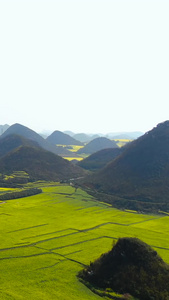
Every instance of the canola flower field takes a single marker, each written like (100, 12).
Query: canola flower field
(48, 238)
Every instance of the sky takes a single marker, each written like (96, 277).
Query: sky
(94, 66)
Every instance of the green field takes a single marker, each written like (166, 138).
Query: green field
(72, 158)
(121, 142)
(48, 238)
(73, 149)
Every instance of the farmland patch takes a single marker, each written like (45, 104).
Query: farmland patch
(46, 239)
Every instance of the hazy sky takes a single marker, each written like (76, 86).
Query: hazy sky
(85, 65)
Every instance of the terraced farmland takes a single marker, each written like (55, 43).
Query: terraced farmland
(48, 238)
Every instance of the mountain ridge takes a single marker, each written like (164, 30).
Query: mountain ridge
(97, 144)
(100, 159)
(140, 173)
(28, 133)
(39, 164)
(60, 138)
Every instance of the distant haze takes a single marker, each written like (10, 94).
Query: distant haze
(93, 66)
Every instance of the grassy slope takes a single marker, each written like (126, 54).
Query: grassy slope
(39, 164)
(46, 239)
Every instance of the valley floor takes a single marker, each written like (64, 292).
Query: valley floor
(48, 238)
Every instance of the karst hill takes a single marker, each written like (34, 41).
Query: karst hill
(139, 177)
(13, 141)
(30, 134)
(39, 164)
(97, 144)
(60, 138)
(100, 159)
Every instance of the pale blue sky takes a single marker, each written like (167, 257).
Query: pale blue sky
(85, 65)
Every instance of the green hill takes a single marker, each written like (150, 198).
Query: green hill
(138, 178)
(39, 164)
(99, 159)
(60, 138)
(26, 132)
(132, 267)
(13, 141)
(96, 145)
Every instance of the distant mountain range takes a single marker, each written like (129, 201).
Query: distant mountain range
(3, 128)
(139, 177)
(86, 138)
(125, 135)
